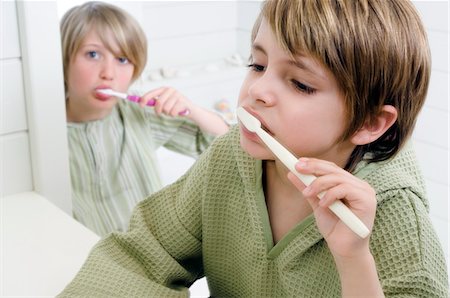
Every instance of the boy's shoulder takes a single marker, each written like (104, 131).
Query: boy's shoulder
(227, 144)
(400, 172)
(227, 148)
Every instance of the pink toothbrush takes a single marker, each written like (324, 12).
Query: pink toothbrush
(135, 98)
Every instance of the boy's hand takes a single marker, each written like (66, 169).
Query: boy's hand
(168, 101)
(171, 102)
(337, 184)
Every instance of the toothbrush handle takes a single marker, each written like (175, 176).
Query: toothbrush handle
(134, 98)
(151, 102)
(184, 112)
(349, 218)
(137, 98)
(340, 209)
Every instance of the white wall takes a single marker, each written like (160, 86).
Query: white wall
(14, 140)
(431, 136)
(247, 13)
(33, 142)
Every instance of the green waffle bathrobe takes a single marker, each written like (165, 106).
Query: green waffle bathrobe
(213, 222)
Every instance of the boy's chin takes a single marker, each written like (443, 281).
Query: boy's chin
(255, 150)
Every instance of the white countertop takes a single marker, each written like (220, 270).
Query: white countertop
(42, 248)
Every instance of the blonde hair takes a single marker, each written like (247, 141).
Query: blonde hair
(103, 18)
(376, 49)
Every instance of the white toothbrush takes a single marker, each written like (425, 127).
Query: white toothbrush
(289, 160)
(135, 98)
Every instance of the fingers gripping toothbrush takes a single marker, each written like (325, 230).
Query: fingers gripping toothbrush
(289, 160)
(135, 98)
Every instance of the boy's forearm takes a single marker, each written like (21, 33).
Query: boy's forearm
(208, 121)
(359, 277)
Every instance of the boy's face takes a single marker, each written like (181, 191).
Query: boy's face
(297, 101)
(94, 67)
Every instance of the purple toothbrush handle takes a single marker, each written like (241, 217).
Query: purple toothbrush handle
(151, 102)
(184, 112)
(137, 98)
(134, 98)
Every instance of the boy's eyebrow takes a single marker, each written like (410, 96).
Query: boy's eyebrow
(258, 48)
(91, 45)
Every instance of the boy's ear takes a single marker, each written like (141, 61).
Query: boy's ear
(373, 129)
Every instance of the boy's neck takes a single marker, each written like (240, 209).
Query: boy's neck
(276, 174)
(76, 114)
(285, 204)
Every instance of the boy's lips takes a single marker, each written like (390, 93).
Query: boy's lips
(249, 135)
(252, 136)
(102, 96)
(263, 123)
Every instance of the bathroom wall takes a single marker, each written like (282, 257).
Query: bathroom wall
(14, 140)
(33, 146)
(431, 137)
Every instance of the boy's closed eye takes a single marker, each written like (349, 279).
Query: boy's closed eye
(299, 86)
(256, 67)
(302, 87)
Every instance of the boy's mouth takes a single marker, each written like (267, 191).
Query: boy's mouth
(266, 129)
(263, 125)
(102, 96)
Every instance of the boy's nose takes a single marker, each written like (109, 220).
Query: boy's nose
(263, 90)
(107, 70)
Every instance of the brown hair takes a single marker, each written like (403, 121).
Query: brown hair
(104, 18)
(376, 49)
